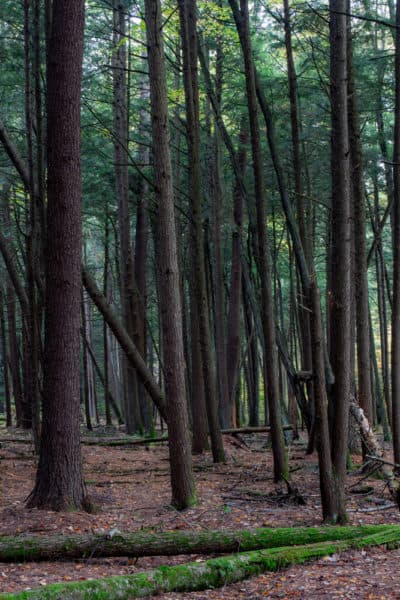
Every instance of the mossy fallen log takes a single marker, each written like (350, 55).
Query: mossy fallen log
(212, 573)
(69, 547)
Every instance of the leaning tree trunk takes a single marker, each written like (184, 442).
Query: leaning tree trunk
(59, 480)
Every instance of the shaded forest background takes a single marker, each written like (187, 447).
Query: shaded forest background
(273, 130)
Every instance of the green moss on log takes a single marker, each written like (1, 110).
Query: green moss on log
(198, 576)
(67, 547)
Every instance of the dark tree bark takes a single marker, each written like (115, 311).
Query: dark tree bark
(264, 260)
(303, 225)
(340, 335)
(188, 19)
(360, 255)
(182, 480)
(382, 310)
(235, 289)
(14, 355)
(4, 357)
(197, 397)
(326, 475)
(129, 301)
(396, 254)
(141, 252)
(85, 365)
(106, 379)
(59, 480)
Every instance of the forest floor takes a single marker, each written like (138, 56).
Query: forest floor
(131, 488)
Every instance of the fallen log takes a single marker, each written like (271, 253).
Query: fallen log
(68, 547)
(125, 441)
(240, 430)
(212, 573)
(139, 441)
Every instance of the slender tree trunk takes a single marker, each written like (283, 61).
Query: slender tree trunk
(182, 480)
(235, 289)
(4, 355)
(106, 383)
(141, 252)
(396, 253)
(30, 344)
(188, 17)
(128, 300)
(264, 266)
(59, 480)
(14, 355)
(303, 225)
(85, 365)
(340, 299)
(197, 397)
(360, 256)
(326, 474)
(382, 312)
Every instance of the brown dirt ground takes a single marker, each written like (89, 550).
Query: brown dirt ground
(131, 489)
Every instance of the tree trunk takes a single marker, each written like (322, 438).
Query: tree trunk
(213, 573)
(121, 140)
(396, 254)
(327, 482)
(340, 297)
(188, 20)
(106, 378)
(59, 479)
(235, 289)
(85, 365)
(137, 544)
(14, 354)
(303, 226)
(264, 260)
(182, 480)
(360, 256)
(4, 357)
(141, 251)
